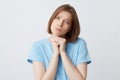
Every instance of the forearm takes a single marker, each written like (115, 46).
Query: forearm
(70, 69)
(51, 71)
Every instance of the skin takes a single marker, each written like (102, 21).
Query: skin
(59, 27)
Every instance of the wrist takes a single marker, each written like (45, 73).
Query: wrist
(56, 54)
(63, 53)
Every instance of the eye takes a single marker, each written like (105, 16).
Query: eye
(57, 17)
(67, 22)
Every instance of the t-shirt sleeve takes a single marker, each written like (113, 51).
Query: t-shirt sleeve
(83, 55)
(35, 54)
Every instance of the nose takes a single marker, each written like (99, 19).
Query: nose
(61, 23)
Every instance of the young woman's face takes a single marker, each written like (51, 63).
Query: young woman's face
(61, 24)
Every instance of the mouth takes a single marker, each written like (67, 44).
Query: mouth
(58, 29)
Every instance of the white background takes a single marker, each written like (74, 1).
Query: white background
(23, 22)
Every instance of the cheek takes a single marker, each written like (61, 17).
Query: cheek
(68, 28)
(53, 24)
(52, 27)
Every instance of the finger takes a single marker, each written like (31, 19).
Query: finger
(58, 39)
(55, 42)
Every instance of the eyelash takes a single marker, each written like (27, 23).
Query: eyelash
(64, 21)
(67, 22)
(57, 17)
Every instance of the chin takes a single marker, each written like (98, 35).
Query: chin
(59, 35)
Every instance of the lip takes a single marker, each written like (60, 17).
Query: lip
(58, 29)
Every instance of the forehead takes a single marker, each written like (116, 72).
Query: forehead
(65, 14)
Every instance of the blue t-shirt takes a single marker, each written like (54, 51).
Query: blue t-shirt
(77, 52)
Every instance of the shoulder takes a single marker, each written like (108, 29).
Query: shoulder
(41, 42)
(80, 41)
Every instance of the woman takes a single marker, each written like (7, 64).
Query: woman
(62, 56)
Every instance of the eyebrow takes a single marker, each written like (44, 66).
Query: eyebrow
(66, 18)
